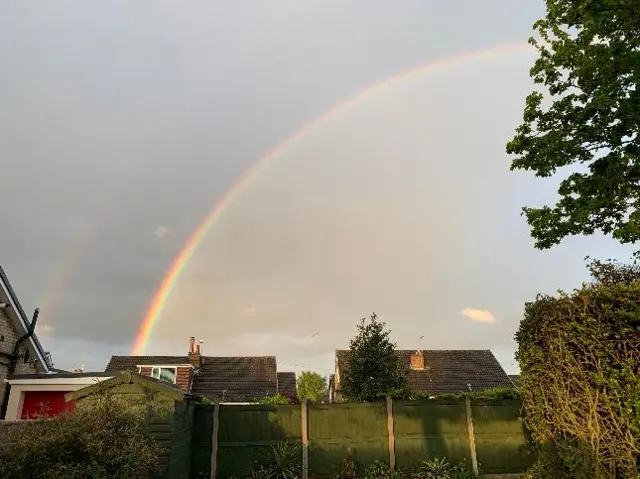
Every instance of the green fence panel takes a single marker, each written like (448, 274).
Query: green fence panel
(500, 438)
(429, 429)
(336, 429)
(247, 432)
(201, 442)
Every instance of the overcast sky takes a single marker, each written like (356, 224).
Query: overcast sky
(122, 123)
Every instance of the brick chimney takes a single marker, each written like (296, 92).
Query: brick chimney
(417, 360)
(194, 353)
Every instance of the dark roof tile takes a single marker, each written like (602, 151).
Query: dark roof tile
(287, 385)
(230, 379)
(131, 363)
(236, 379)
(447, 371)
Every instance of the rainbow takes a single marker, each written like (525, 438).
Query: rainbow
(178, 265)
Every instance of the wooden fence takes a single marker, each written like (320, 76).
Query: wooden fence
(228, 440)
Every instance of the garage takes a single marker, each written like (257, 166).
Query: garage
(45, 403)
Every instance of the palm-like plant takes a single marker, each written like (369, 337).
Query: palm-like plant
(437, 468)
(284, 461)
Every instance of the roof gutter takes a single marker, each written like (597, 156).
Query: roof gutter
(14, 360)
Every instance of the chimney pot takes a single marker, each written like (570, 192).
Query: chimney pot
(194, 354)
(192, 342)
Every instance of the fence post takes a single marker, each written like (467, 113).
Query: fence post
(304, 420)
(472, 436)
(214, 438)
(391, 434)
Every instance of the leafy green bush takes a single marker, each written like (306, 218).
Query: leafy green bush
(579, 357)
(106, 440)
(378, 470)
(276, 399)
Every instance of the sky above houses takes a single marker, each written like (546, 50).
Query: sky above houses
(123, 123)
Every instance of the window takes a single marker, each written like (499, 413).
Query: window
(164, 374)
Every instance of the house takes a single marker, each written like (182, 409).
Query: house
(438, 371)
(229, 379)
(20, 350)
(515, 379)
(37, 394)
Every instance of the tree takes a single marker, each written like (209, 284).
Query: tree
(612, 272)
(372, 366)
(589, 61)
(311, 386)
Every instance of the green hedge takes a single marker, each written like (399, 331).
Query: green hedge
(579, 356)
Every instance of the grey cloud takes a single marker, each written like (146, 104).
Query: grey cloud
(117, 118)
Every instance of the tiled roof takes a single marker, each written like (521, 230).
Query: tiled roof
(62, 375)
(515, 379)
(447, 371)
(230, 379)
(287, 385)
(131, 363)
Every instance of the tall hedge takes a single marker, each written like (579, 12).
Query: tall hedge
(579, 355)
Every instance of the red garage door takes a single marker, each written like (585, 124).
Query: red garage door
(48, 403)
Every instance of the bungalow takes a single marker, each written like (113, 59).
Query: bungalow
(229, 379)
(438, 371)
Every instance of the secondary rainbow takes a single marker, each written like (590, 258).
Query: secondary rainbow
(178, 265)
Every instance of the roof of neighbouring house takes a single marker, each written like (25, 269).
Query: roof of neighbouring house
(230, 379)
(129, 377)
(515, 379)
(287, 384)
(20, 319)
(446, 371)
(62, 375)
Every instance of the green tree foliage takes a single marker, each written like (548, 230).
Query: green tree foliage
(372, 368)
(274, 399)
(311, 386)
(589, 61)
(579, 357)
(105, 440)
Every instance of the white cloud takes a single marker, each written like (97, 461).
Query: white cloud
(45, 329)
(161, 231)
(478, 315)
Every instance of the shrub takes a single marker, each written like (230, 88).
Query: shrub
(276, 399)
(377, 470)
(579, 357)
(105, 440)
(284, 461)
(348, 469)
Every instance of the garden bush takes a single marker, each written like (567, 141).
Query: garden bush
(106, 440)
(579, 356)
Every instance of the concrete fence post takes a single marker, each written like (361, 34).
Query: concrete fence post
(304, 422)
(215, 422)
(472, 436)
(391, 434)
